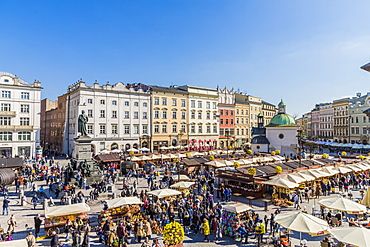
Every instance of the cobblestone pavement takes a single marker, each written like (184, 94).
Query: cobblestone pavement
(24, 217)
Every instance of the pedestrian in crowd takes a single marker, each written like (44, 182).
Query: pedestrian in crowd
(54, 239)
(11, 224)
(37, 222)
(31, 240)
(206, 230)
(6, 206)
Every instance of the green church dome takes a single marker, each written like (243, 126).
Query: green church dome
(283, 120)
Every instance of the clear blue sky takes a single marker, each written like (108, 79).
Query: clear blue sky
(305, 52)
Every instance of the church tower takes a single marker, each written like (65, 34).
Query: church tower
(281, 107)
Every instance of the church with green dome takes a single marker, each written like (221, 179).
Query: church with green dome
(279, 134)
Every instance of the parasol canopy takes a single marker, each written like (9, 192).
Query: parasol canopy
(343, 204)
(182, 185)
(164, 193)
(215, 164)
(121, 201)
(66, 210)
(281, 182)
(182, 178)
(355, 236)
(236, 208)
(302, 222)
(366, 199)
(291, 177)
(15, 243)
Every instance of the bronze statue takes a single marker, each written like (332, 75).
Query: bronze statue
(82, 122)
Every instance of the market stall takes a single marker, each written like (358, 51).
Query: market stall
(56, 217)
(232, 214)
(120, 207)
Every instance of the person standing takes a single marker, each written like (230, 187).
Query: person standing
(6, 206)
(206, 230)
(54, 239)
(31, 240)
(11, 224)
(37, 222)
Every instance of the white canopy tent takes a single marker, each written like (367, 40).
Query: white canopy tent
(164, 193)
(236, 208)
(66, 210)
(355, 236)
(121, 201)
(343, 204)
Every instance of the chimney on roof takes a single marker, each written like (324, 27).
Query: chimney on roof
(358, 95)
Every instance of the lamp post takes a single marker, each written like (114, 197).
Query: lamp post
(299, 137)
(227, 134)
(349, 129)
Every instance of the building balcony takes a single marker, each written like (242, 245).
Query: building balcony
(8, 113)
(16, 127)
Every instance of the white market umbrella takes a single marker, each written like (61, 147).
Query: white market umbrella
(302, 222)
(280, 182)
(291, 177)
(182, 178)
(236, 208)
(215, 164)
(133, 150)
(155, 157)
(144, 149)
(182, 185)
(355, 236)
(171, 147)
(164, 193)
(136, 158)
(366, 199)
(121, 201)
(343, 204)
(104, 152)
(227, 162)
(163, 156)
(116, 151)
(163, 148)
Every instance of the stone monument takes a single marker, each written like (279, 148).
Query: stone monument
(85, 163)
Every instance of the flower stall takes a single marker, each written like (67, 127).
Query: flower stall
(120, 207)
(174, 234)
(232, 215)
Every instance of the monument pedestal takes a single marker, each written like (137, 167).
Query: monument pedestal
(84, 154)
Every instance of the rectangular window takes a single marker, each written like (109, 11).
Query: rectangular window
(127, 114)
(227, 113)
(114, 102)
(174, 128)
(25, 121)
(174, 115)
(193, 115)
(89, 101)
(25, 108)
(242, 120)
(127, 129)
(221, 112)
(89, 113)
(208, 105)
(231, 113)
(102, 113)
(232, 121)
(7, 136)
(25, 95)
(208, 115)
(214, 128)
(24, 136)
(200, 129)
(242, 132)
(102, 102)
(183, 115)
(183, 128)
(237, 131)
(114, 114)
(136, 129)
(89, 129)
(156, 128)
(6, 94)
(114, 129)
(164, 128)
(192, 103)
(164, 101)
(221, 121)
(214, 115)
(102, 129)
(145, 129)
(174, 102)
(214, 106)
(145, 104)
(127, 103)
(156, 101)
(192, 129)
(145, 115)
(156, 114)
(183, 104)
(222, 132)
(199, 115)
(164, 114)
(136, 103)
(200, 104)
(136, 115)
(5, 107)
(208, 128)
(4, 120)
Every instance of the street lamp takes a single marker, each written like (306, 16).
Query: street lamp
(299, 137)
(227, 134)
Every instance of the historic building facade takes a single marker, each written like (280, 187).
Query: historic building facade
(226, 111)
(326, 121)
(268, 111)
(242, 120)
(202, 127)
(19, 116)
(169, 116)
(119, 115)
(341, 116)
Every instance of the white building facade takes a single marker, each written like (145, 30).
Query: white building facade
(119, 115)
(19, 116)
(202, 117)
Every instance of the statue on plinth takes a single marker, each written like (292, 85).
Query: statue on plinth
(82, 122)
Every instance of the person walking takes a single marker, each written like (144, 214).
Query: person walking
(206, 230)
(11, 224)
(6, 206)
(37, 222)
(54, 239)
(31, 240)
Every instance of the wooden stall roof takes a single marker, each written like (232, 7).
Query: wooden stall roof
(326, 161)
(307, 163)
(244, 170)
(201, 160)
(282, 165)
(191, 162)
(292, 164)
(108, 157)
(267, 169)
(236, 175)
